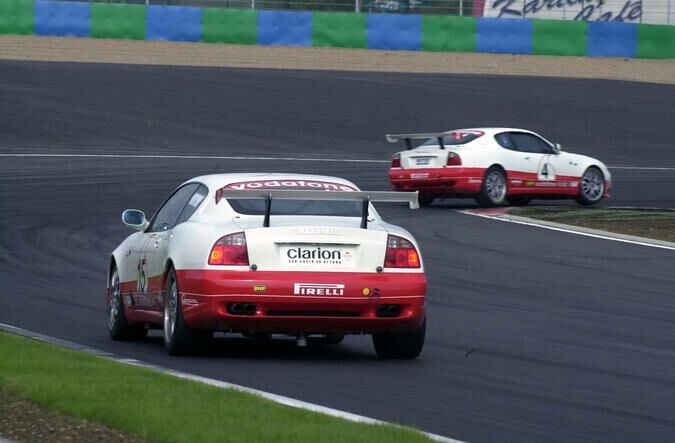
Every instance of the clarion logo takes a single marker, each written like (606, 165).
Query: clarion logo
(318, 289)
(314, 254)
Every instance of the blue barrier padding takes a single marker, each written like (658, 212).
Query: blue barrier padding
(67, 19)
(508, 36)
(393, 31)
(285, 28)
(175, 23)
(612, 39)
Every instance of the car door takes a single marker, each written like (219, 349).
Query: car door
(520, 160)
(153, 254)
(568, 170)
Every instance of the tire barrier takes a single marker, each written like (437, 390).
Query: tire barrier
(334, 29)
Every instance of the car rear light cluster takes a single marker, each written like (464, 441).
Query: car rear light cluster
(401, 253)
(229, 250)
(396, 161)
(454, 159)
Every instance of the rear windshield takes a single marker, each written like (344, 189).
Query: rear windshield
(295, 207)
(455, 138)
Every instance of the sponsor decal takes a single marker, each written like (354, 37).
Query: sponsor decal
(318, 255)
(517, 182)
(291, 184)
(189, 301)
(374, 292)
(318, 289)
(586, 10)
(556, 184)
(366, 291)
(259, 288)
(529, 183)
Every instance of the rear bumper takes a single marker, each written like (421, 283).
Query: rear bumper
(208, 295)
(438, 181)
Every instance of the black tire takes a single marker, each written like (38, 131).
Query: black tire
(118, 326)
(400, 345)
(425, 199)
(179, 339)
(591, 187)
(518, 200)
(494, 188)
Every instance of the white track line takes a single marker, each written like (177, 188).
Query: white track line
(287, 401)
(643, 168)
(570, 230)
(242, 157)
(201, 157)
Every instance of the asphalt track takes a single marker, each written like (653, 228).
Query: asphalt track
(533, 336)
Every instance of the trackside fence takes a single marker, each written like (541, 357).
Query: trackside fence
(337, 29)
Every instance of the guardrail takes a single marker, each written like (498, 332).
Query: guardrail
(331, 29)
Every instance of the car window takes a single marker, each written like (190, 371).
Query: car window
(504, 140)
(530, 143)
(455, 138)
(166, 216)
(193, 203)
(298, 207)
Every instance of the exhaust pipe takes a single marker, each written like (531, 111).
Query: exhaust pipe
(236, 308)
(239, 308)
(388, 311)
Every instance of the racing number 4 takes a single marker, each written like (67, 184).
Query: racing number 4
(544, 171)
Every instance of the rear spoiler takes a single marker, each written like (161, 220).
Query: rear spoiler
(284, 194)
(393, 138)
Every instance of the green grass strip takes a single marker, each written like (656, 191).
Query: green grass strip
(656, 41)
(339, 29)
(559, 37)
(457, 34)
(118, 20)
(236, 26)
(16, 16)
(164, 408)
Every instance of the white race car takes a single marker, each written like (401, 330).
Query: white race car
(494, 166)
(269, 253)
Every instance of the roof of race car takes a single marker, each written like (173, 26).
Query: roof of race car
(278, 180)
(490, 130)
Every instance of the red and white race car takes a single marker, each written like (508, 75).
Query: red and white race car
(269, 253)
(494, 166)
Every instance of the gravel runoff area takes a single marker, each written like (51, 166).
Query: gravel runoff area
(277, 57)
(25, 422)
(656, 224)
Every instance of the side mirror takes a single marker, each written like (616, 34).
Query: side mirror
(557, 148)
(135, 219)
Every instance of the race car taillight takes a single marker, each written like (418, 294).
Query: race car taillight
(400, 253)
(396, 161)
(454, 159)
(229, 250)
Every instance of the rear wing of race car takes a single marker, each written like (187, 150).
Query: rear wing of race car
(284, 194)
(393, 138)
